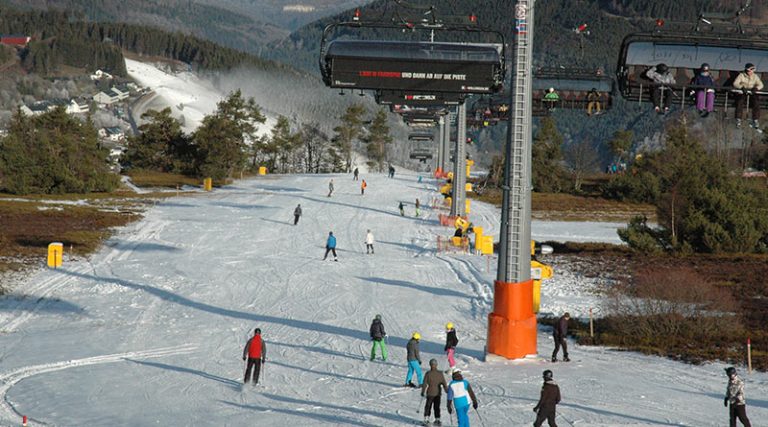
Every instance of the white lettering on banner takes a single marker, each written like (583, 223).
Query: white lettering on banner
(407, 75)
(433, 76)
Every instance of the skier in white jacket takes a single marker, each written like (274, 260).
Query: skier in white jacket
(369, 242)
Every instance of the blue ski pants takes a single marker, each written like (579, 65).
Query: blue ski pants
(462, 414)
(413, 366)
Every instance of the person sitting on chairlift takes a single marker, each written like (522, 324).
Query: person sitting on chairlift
(749, 83)
(705, 93)
(593, 98)
(661, 94)
(551, 98)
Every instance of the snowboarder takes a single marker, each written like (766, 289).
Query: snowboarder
(418, 206)
(330, 188)
(414, 361)
(550, 397)
(459, 395)
(296, 214)
(255, 352)
(402, 209)
(356, 172)
(369, 242)
(431, 387)
(377, 336)
(362, 188)
(451, 341)
(734, 395)
(560, 334)
(330, 246)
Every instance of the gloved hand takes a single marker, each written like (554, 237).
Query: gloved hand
(243, 357)
(422, 394)
(474, 405)
(536, 410)
(450, 409)
(725, 402)
(745, 91)
(263, 360)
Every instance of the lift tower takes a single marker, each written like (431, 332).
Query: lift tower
(512, 324)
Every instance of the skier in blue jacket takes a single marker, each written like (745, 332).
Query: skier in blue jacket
(460, 395)
(330, 246)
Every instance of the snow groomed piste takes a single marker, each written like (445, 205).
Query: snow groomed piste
(150, 331)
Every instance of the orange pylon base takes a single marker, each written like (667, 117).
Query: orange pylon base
(512, 324)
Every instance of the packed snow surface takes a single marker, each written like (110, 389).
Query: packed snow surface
(151, 329)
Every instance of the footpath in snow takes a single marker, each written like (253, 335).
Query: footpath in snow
(150, 330)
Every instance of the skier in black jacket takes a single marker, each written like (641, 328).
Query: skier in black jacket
(377, 335)
(296, 214)
(560, 334)
(451, 341)
(550, 397)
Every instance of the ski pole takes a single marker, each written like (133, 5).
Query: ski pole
(418, 408)
(482, 422)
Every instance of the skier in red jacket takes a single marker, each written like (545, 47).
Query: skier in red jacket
(256, 352)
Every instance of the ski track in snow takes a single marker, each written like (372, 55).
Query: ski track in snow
(155, 322)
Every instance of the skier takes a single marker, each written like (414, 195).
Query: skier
(414, 361)
(362, 188)
(255, 352)
(450, 344)
(296, 214)
(418, 206)
(734, 395)
(330, 188)
(377, 335)
(550, 397)
(560, 333)
(330, 246)
(402, 209)
(459, 395)
(369, 242)
(356, 172)
(431, 387)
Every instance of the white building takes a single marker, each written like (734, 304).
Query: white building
(78, 106)
(98, 75)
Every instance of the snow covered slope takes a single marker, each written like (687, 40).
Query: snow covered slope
(150, 330)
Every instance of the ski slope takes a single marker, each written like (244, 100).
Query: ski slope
(150, 330)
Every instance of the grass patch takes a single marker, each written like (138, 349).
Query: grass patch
(567, 207)
(143, 178)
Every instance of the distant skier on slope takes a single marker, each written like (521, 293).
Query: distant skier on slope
(363, 186)
(330, 188)
(402, 209)
(418, 208)
(550, 397)
(255, 352)
(369, 242)
(734, 395)
(414, 361)
(377, 336)
(296, 214)
(433, 380)
(560, 334)
(330, 246)
(451, 341)
(356, 173)
(459, 395)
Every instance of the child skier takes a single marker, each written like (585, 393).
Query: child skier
(451, 341)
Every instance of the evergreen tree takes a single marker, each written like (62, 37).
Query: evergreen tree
(547, 158)
(346, 134)
(161, 145)
(378, 140)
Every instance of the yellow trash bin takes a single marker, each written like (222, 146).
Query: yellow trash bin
(262, 170)
(55, 254)
(208, 184)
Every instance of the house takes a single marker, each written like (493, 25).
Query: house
(113, 133)
(78, 106)
(15, 40)
(106, 98)
(37, 108)
(121, 91)
(98, 75)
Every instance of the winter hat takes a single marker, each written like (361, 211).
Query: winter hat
(457, 375)
(749, 66)
(378, 317)
(547, 375)
(730, 371)
(257, 331)
(705, 67)
(432, 362)
(662, 68)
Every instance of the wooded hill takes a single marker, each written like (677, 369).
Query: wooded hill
(61, 38)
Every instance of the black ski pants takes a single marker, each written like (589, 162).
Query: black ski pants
(327, 249)
(432, 402)
(296, 219)
(368, 247)
(740, 412)
(545, 414)
(254, 364)
(560, 341)
(661, 96)
(754, 104)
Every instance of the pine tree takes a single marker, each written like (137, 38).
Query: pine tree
(347, 132)
(547, 158)
(378, 140)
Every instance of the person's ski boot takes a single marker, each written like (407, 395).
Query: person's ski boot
(566, 359)
(437, 422)
(409, 384)
(554, 359)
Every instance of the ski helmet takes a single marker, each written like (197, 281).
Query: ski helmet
(432, 362)
(730, 371)
(547, 375)
(416, 336)
(449, 325)
(257, 331)
(378, 317)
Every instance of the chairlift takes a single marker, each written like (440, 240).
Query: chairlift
(421, 137)
(419, 66)
(421, 154)
(684, 47)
